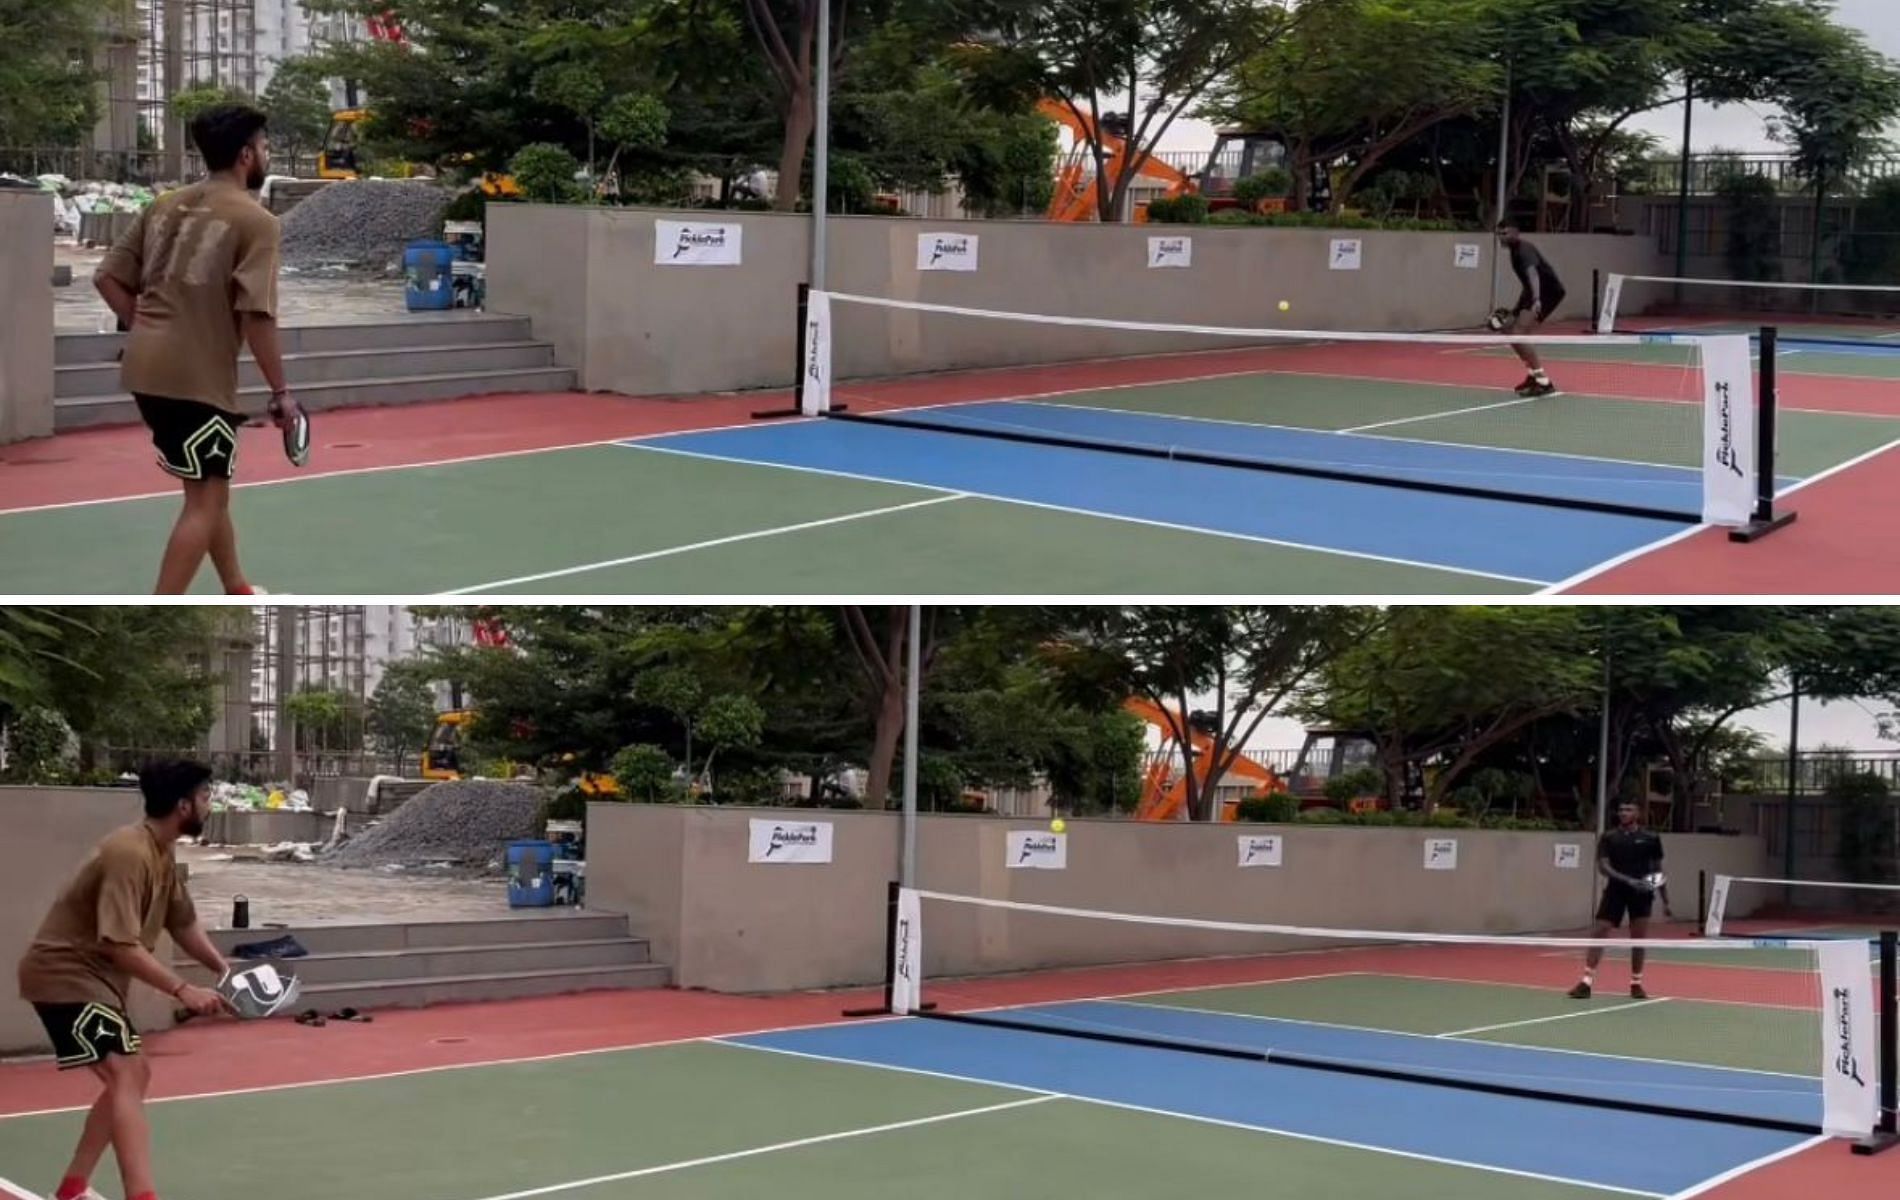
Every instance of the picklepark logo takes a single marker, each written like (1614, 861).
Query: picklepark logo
(1726, 453)
(691, 239)
(785, 837)
(1036, 846)
(1846, 1055)
(949, 248)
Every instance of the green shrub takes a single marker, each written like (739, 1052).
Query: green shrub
(467, 206)
(645, 772)
(1272, 183)
(1322, 816)
(1366, 781)
(1277, 809)
(546, 172)
(1446, 818)
(568, 804)
(1180, 210)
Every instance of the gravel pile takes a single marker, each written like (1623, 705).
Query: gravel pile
(361, 223)
(466, 823)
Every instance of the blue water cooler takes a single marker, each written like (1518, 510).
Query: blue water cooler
(530, 874)
(428, 270)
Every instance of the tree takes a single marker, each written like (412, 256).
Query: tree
(645, 772)
(1439, 686)
(31, 642)
(401, 714)
(49, 93)
(1163, 54)
(1335, 91)
(134, 676)
(1252, 660)
(190, 101)
(298, 101)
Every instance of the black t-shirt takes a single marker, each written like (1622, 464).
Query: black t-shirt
(1535, 273)
(1633, 853)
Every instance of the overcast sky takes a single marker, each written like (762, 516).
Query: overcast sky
(1730, 127)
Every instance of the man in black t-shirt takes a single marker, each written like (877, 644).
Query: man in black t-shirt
(1542, 293)
(1630, 858)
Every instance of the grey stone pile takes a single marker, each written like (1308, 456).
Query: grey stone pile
(361, 224)
(463, 823)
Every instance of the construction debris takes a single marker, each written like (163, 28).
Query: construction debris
(463, 823)
(362, 224)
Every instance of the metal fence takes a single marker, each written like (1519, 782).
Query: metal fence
(1708, 172)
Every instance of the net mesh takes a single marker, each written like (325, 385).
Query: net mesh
(1729, 1031)
(1854, 317)
(1752, 907)
(1651, 426)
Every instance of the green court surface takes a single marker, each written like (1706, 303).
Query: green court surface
(1881, 360)
(751, 511)
(707, 1121)
(1706, 1033)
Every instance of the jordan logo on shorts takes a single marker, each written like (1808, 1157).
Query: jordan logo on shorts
(215, 439)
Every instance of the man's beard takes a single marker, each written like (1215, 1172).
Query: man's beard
(255, 179)
(192, 826)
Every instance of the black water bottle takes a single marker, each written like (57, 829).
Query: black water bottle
(241, 913)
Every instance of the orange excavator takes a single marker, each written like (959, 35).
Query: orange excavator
(1075, 196)
(1164, 796)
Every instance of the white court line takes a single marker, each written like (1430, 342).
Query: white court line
(1089, 512)
(1684, 999)
(1734, 1173)
(775, 1148)
(710, 543)
(1609, 564)
(1585, 1012)
(1406, 1033)
(314, 476)
(9, 1188)
(1450, 412)
(1217, 1121)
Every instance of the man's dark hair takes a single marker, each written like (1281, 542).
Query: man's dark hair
(221, 133)
(170, 783)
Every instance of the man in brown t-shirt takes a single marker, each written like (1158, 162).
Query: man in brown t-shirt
(193, 281)
(99, 937)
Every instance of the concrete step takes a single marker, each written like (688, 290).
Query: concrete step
(460, 328)
(326, 998)
(336, 366)
(83, 412)
(559, 926)
(382, 966)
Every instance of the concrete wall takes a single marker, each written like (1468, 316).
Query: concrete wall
(682, 876)
(49, 833)
(587, 278)
(26, 315)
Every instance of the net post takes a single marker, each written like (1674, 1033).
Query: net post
(1886, 1134)
(1765, 519)
(797, 408)
(1596, 298)
(1702, 902)
(893, 890)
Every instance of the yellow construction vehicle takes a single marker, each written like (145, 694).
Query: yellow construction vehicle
(442, 758)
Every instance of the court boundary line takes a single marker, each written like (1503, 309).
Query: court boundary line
(10, 1188)
(1661, 1062)
(774, 1148)
(619, 1048)
(1683, 999)
(1571, 1016)
(711, 543)
(344, 472)
(1664, 543)
(1352, 432)
(1749, 1168)
(1084, 512)
(1222, 1122)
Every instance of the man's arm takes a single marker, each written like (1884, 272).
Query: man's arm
(260, 334)
(119, 298)
(193, 941)
(138, 962)
(1608, 872)
(121, 272)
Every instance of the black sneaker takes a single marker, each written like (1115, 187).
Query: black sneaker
(1533, 389)
(1527, 387)
(1580, 992)
(1637, 992)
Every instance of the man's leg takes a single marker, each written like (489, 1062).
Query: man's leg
(1639, 928)
(1538, 381)
(1591, 957)
(224, 553)
(127, 1080)
(206, 507)
(93, 1140)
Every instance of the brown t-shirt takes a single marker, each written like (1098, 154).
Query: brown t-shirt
(127, 893)
(197, 259)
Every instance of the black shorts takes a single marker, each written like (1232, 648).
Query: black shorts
(194, 439)
(83, 1034)
(1621, 900)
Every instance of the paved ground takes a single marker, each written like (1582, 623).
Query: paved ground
(312, 894)
(326, 297)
